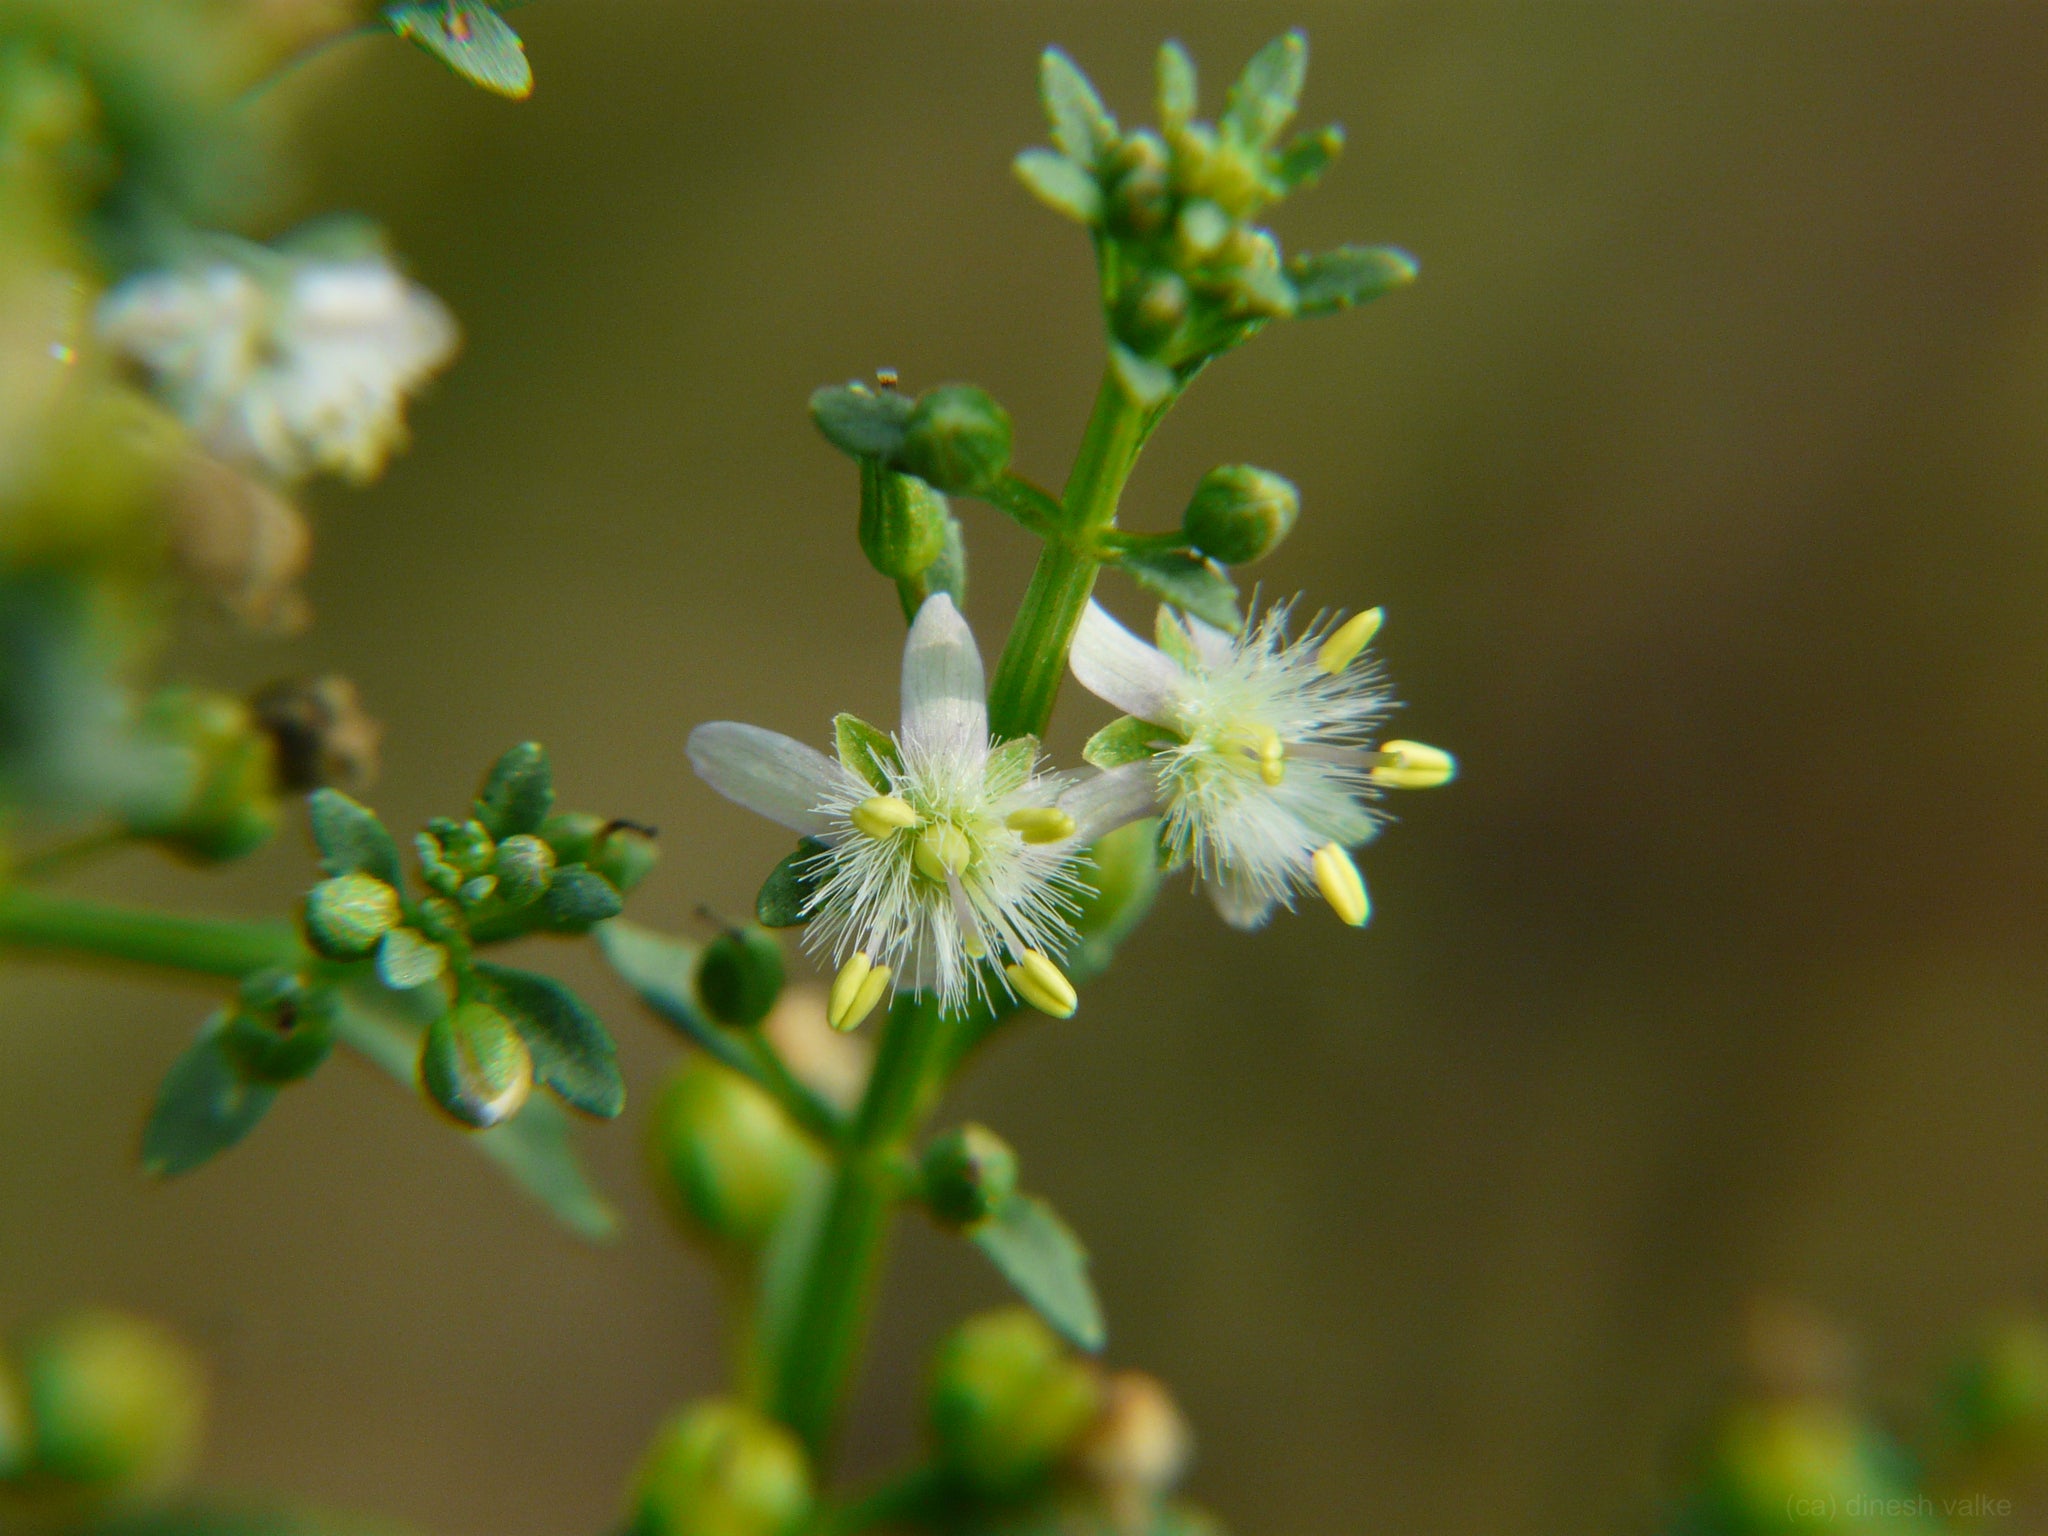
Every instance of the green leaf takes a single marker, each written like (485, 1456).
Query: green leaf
(867, 423)
(1176, 75)
(786, 894)
(1040, 1256)
(470, 38)
(1305, 159)
(1060, 184)
(1082, 128)
(533, 1148)
(578, 898)
(1197, 586)
(1010, 764)
(1351, 274)
(518, 792)
(406, 960)
(572, 1053)
(204, 1107)
(351, 839)
(1148, 384)
(1170, 634)
(866, 750)
(1263, 101)
(1129, 740)
(664, 972)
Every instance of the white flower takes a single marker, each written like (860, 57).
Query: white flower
(942, 850)
(296, 370)
(1257, 751)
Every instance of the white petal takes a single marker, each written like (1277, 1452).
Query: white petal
(1120, 669)
(767, 773)
(1102, 802)
(945, 701)
(1238, 901)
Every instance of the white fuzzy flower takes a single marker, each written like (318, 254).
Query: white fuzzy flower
(1258, 751)
(942, 850)
(292, 366)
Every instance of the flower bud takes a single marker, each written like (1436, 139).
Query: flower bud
(902, 522)
(346, 916)
(282, 1030)
(720, 1469)
(579, 898)
(726, 1157)
(524, 866)
(466, 846)
(573, 835)
(1151, 311)
(114, 1402)
(1008, 1402)
(1996, 1402)
(475, 1066)
(957, 440)
(968, 1173)
(1138, 1448)
(1240, 514)
(1802, 1456)
(739, 975)
(225, 803)
(1140, 193)
(624, 854)
(319, 733)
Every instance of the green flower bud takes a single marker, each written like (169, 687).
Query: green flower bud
(968, 1173)
(435, 870)
(902, 522)
(1151, 311)
(114, 1402)
(1141, 192)
(283, 1030)
(625, 854)
(346, 916)
(466, 846)
(225, 804)
(726, 1157)
(1008, 1402)
(1791, 1464)
(1240, 514)
(475, 1066)
(958, 439)
(578, 899)
(739, 975)
(524, 866)
(1996, 1402)
(720, 1469)
(573, 835)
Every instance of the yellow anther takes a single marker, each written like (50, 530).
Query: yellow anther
(1272, 759)
(943, 849)
(1348, 639)
(1416, 765)
(1041, 824)
(1043, 985)
(855, 991)
(884, 815)
(1339, 881)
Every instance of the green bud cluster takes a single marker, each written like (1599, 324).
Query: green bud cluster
(721, 1469)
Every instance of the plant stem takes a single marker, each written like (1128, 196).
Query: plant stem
(814, 1365)
(1028, 677)
(208, 946)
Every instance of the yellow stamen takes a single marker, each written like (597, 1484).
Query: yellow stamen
(855, 991)
(884, 816)
(1348, 639)
(1043, 985)
(941, 850)
(1041, 824)
(1272, 759)
(1338, 879)
(1415, 765)
(871, 992)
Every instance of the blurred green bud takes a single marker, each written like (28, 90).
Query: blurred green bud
(739, 975)
(1008, 1402)
(957, 440)
(968, 1173)
(524, 866)
(466, 847)
(440, 920)
(902, 522)
(1141, 193)
(1790, 1465)
(720, 1469)
(573, 835)
(282, 1030)
(726, 1157)
(475, 1066)
(114, 1402)
(1240, 514)
(578, 899)
(225, 805)
(1996, 1401)
(348, 915)
(517, 793)
(435, 870)
(1151, 311)
(625, 854)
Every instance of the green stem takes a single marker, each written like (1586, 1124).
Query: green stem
(49, 862)
(1028, 677)
(907, 1499)
(814, 1366)
(208, 946)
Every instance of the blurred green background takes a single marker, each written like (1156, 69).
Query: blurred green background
(1704, 476)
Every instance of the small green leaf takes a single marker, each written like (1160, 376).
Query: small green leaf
(1189, 582)
(1263, 101)
(572, 1053)
(1060, 184)
(786, 894)
(204, 1107)
(664, 972)
(1176, 75)
(351, 839)
(867, 423)
(1129, 740)
(406, 960)
(579, 898)
(866, 750)
(470, 38)
(1351, 274)
(1170, 634)
(1082, 128)
(1010, 764)
(1148, 384)
(1040, 1256)
(518, 792)
(1305, 159)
